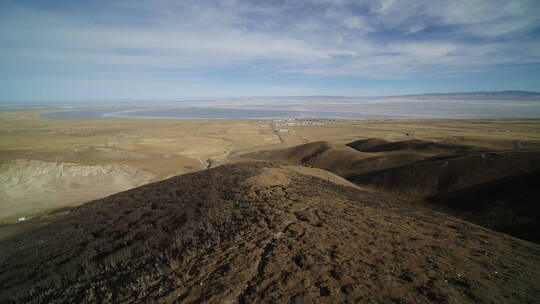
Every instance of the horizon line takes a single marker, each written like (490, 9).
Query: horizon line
(524, 93)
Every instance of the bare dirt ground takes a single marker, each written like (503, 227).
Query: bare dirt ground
(493, 188)
(261, 233)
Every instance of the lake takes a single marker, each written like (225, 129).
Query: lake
(282, 109)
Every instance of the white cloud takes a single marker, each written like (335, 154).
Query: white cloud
(479, 17)
(328, 37)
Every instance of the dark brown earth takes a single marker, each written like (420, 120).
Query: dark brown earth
(496, 189)
(342, 160)
(259, 232)
(366, 144)
(379, 145)
(507, 204)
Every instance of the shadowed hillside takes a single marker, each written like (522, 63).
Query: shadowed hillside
(258, 232)
(457, 179)
(342, 160)
(445, 174)
(425, 146)
(507, 204)
(366, 144)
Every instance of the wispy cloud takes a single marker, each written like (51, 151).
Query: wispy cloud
(380, 39)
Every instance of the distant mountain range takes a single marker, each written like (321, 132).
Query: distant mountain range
(509, 94)
(478, 95)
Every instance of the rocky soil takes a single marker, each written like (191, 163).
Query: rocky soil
(493, 188)
(263, 233)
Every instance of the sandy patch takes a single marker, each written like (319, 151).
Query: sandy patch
(28, 187)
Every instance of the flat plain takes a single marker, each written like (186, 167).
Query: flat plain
(49, 163)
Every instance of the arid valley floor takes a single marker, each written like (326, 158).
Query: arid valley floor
(242, 211)
(102, 157)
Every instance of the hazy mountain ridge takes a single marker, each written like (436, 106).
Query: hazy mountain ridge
(465, 94)
(507, 94)
(511, 94)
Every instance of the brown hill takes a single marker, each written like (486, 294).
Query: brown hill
(341, 160)
(296, 155)
(435, 175)
(259, 232)
(447, 176)
(507, 204)
(366, 144)
(425, 146)
(494, 189)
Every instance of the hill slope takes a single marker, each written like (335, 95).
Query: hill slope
(443, 174)
(456, 179)
(341, 160)
(259, 232)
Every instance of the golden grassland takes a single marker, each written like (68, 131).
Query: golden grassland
(167, 143)
(163, 148)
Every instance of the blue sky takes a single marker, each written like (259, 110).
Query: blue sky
(67, 49)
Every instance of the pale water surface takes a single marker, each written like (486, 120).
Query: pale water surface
(361, 109)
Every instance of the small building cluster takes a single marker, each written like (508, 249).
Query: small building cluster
(296, 122)
(273, 127)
